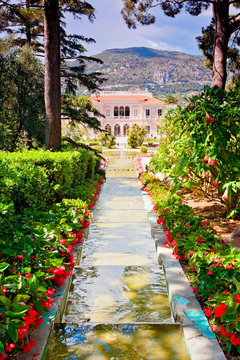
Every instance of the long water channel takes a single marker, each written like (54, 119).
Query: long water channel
(118, 307)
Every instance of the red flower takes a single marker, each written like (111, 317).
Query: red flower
(26, 347)
(212, 162)
(161, 221)
(209, 119)
(207, 312)
(223, 331)
(209, 272)
(215, 184)
(237, 298)
(220, 310)
(225, 195)
(235, 340)
(205, 159)
(9, 347)
(20, 257)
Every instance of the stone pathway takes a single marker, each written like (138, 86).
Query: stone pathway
(118, 305)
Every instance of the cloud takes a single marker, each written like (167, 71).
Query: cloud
(110, 31)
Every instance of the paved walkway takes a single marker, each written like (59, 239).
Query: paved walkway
(118, 302)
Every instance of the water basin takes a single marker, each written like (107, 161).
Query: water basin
(118, 294)
(117, 342)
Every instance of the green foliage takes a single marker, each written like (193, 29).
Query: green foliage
(171, 99)
(200, 144)
(136, 136)
(144, 149)
(33, 179)
(77, 109)
(211, 264)
(36, 257)
(107, 139)
(22, 112)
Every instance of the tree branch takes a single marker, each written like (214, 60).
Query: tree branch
(177, 2)
(234, 23)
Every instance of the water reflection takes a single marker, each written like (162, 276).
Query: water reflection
(117, 342)
(118, 294)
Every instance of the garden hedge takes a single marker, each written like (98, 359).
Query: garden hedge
(38, 178)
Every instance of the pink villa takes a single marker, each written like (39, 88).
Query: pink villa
(122, 109)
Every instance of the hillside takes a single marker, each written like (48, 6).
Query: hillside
(160, 71)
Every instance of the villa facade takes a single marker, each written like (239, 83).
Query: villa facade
(122, 109)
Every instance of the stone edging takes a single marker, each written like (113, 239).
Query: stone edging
(200, 341)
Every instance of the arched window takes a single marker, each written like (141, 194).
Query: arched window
(127, 111)
(115, 111)
(125, 129)
(121, 112)
(117, 130)
(108, 128)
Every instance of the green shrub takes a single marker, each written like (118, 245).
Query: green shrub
(136, 136)
(36, 178)
(144, 149)
(200, 147)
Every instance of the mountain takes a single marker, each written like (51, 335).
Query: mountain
(159, 71)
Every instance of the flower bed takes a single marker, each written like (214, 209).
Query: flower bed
(37, 243)
(213, 267)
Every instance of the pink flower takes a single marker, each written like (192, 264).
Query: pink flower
(209, 272)
(20, 257)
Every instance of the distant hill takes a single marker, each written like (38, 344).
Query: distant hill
(159, 71)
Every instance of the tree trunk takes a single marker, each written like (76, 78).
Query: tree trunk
(221, 38)
(52, 75)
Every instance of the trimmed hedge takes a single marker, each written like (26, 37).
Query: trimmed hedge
(35, 179)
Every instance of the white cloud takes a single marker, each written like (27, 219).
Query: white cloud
(110, 31)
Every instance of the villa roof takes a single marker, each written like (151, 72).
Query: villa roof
(145, 99)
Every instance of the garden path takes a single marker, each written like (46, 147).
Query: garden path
(118, 305)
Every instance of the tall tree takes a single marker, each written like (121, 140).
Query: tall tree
(20, 19)
(52, 74)
(22, 110)
(206, 44)
(135, 11)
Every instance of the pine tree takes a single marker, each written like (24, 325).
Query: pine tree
(135, 11)
(206, 44)
(59, 47)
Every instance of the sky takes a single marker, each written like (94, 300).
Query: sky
(110, 31)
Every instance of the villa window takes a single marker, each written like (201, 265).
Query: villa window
(127, 111)
(148, 128)
(135, 113)
(116, 111)
(108, 128)
(117, 130)
(108, 113)
(147, 113)
(159, 112)
(125, 129)
(121, 112)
